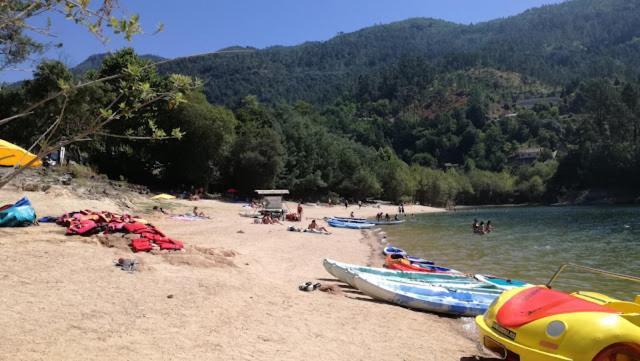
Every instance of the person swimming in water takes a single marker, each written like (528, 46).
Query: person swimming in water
(488, 228)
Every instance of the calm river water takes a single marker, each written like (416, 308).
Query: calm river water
(530, 243)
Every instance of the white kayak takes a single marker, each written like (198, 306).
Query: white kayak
(425, 297)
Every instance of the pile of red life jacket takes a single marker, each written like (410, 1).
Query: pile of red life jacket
(87, 222)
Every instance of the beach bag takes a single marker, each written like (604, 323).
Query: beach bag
(19, 214)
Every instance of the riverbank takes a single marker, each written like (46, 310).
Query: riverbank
(231, 295)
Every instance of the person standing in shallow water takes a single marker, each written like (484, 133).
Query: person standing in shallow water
(488, 227)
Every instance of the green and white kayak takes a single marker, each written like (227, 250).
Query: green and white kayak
(426, 297)
(346, 272)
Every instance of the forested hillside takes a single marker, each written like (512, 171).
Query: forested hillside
(95, 61)
(524, 109)
(555, 44)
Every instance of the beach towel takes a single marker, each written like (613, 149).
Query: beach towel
(188, 217)
(19, 214)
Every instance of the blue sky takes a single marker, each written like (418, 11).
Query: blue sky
(201, 26)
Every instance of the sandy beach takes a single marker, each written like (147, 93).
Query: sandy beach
(231, 295)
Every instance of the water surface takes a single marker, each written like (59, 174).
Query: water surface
(530, 243)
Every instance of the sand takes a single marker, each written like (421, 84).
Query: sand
(232, 295)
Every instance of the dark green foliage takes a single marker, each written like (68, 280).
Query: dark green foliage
(513, 110)
(256, 158)
(199, 157)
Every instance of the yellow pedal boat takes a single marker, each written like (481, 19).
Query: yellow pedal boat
(537, 323)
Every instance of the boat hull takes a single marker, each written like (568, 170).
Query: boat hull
(425, 298)
(350, 225)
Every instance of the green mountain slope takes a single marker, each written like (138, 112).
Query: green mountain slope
(555, 43)
(94, 61)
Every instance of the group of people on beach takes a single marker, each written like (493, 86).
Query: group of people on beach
(481, 228)
(194, 213)
(268, 219)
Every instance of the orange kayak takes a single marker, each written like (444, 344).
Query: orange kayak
(403, 264)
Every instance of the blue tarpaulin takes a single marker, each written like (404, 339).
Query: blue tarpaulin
(18, 214)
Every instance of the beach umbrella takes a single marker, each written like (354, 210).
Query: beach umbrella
(163, 196)
(12, 155)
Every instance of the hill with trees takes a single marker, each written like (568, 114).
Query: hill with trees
(530, 108)
(555, 44)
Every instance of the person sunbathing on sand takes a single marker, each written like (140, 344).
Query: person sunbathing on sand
(159, 209)
(199, 214)
(314, 226)
(267, 219)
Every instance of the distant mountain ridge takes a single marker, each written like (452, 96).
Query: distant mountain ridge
(555, 44)
(94, 62)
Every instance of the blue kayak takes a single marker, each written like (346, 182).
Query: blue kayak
(439, 299)
(351, 225)
(393, 250)
(502, 283)
(347, 219)
(419, 260)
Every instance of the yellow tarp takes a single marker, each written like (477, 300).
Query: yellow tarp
(12, 155)
(163, 196)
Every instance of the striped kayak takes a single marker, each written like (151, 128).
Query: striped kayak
(426, 297)
(502, 283)
(388, 250)
(393, 250)
(352, 225)
(345, 273)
